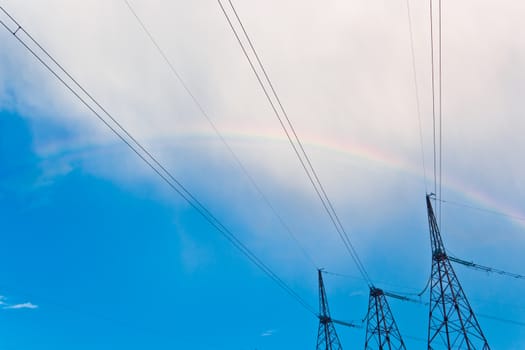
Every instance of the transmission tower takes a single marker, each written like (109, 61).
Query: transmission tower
(327, 338)
(381, 329)
(452, 324)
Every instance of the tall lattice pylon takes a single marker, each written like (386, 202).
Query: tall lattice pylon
(381, 329)
(327, 338)
(452, 324)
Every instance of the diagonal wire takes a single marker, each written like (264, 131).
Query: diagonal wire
(136, 147)
(416, 90)
(510, 216)
(433, 92)
(484, 268)
(203, 112)
(298, 149)
(440, 113)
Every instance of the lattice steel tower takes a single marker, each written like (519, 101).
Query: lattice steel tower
(452, 324)
(327, 338)
(381, 329)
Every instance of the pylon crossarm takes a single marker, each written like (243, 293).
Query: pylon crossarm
(346, 324)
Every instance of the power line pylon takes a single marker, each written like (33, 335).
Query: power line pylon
(327, 338)
(452, 324)
(381, 329)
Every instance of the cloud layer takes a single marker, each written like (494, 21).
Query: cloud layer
(27, 305)
(344, 72)
(8, 306)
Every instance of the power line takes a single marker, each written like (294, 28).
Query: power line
(110, 122)
(510, 216)
(216, 130)
(418, 294)
(437, 137)
(291, 134)
(433, 91)
(337, 223)
(440, 112)
(408, 297)
(503, 320)
(416, 90)
(495, 318)
(423, 303)
(484, 268)
(418, 339)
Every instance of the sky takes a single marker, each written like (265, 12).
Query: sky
(98, 253)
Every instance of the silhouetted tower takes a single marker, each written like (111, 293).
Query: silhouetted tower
(381, 329)
(452, 324)
(327, 338)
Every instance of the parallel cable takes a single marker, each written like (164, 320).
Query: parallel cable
(418, 294)
(216, 130)
(495, 318)
(503, 320)
(136, 147)
(510, 216)
(490, 317)
(383, 283)
(406, 297)
(473, 265)
(421, 340)
(298, 149)
(403, 298)
(440, 112)
(416, 89)
(433, 93)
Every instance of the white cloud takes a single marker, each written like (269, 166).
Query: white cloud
(268, 333)
(343, 71)
(357, 293)
(347, 84)
(27, 305)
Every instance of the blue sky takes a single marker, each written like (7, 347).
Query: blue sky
(107, 278)
(109, 258)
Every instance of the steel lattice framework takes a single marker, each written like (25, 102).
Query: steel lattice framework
(327, 338)
(381, 329)
(452, 323)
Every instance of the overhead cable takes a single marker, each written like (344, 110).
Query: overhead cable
(437, 111)
(216, 130)
(278, 109)
(60, 73)
(510, 216)
(416, 90)
(384, 283)
(488, 269)
(433, 95)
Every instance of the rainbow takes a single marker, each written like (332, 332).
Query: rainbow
(346, 149)
(370, 154)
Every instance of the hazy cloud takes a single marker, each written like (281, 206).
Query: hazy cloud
(27, 305)
(357, 293)
(268, 333)
(347, 84)
(344, 72)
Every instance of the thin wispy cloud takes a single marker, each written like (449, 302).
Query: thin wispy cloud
(356, 293)
(27, 305)
(268, 333)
